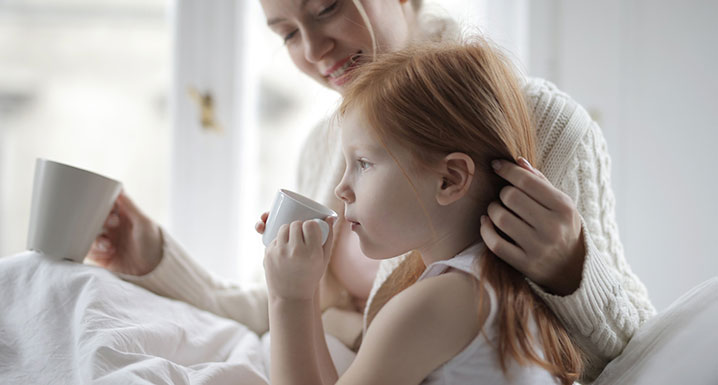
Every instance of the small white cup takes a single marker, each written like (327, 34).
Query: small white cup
(288, 207)
(69, 206)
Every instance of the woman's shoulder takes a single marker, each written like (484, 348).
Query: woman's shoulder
(538, 90)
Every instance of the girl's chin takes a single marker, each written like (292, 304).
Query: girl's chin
(376, 254)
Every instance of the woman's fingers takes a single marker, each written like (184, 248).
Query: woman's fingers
(523, 206)
(533, 185)
(504, 249)
(518, 230)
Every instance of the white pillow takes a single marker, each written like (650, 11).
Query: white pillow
(677, 346)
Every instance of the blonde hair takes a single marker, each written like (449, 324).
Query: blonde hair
(439, 98)
(428, 27)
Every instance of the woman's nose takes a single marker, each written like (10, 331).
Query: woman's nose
(316, 45)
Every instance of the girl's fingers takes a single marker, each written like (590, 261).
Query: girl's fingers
(503, 249)
(332, 221)
(511, 225)
(296, 235)
(533, 185)
(282, 234)
(523, 205)
(261, 225)
(312, 233)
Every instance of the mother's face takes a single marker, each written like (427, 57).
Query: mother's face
(327, 39)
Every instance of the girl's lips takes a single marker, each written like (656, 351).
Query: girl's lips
(354, 224)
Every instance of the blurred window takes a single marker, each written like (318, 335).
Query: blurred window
(83, 82)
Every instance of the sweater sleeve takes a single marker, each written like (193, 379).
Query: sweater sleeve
(181, 278)
(611, 303)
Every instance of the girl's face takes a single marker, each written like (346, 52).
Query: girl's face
(380, 203)
(327, 39)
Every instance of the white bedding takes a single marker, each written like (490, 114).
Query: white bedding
(67, 323)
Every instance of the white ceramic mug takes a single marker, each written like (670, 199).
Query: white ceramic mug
(69, 207)
(288, 207)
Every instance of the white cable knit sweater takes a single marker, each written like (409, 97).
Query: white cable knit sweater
(601, 316)
(611, 302)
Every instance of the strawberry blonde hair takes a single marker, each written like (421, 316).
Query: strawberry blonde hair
(439, 98)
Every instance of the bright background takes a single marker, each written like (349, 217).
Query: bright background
(103, 85)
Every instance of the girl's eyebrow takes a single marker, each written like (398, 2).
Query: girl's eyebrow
(276, 20)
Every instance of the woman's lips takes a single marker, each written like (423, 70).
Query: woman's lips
(340, 73)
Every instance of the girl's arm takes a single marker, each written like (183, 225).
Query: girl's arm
(294, 264)
(293, 344)
(327, 369)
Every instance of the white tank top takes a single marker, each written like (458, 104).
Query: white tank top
(478, 363)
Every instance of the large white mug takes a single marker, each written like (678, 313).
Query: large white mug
(69, 207)
(288, 207)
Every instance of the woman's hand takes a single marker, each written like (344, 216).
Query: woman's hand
(296, 260)
(544, 225)
(130, 242)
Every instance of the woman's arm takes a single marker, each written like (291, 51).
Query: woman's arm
(139, 251)
(602, 303)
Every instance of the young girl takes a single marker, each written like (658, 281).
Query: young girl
(571, 254)
(420, 129)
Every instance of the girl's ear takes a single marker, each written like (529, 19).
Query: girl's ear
(457, 173)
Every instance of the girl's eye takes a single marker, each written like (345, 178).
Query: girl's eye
(288, 36)
(363, 164)
(328, 8)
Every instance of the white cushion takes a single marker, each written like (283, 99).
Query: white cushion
(677, 346)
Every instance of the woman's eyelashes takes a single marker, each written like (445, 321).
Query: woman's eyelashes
(323, 12)
(328, 9)
(290, 35)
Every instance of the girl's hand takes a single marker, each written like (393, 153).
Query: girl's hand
(261, 225)
(130, 242)
(544, 225)
(296, 260)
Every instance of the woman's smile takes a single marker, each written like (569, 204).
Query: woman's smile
(340, 72)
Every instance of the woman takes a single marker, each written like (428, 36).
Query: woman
(572, 256)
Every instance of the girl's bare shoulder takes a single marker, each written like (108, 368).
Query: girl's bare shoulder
(419, 329)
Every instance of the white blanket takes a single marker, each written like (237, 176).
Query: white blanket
(67, 323)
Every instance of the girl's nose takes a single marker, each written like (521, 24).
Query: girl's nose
(316, 45)
(343, 192)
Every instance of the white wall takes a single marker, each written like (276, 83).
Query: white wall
(646, 72)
